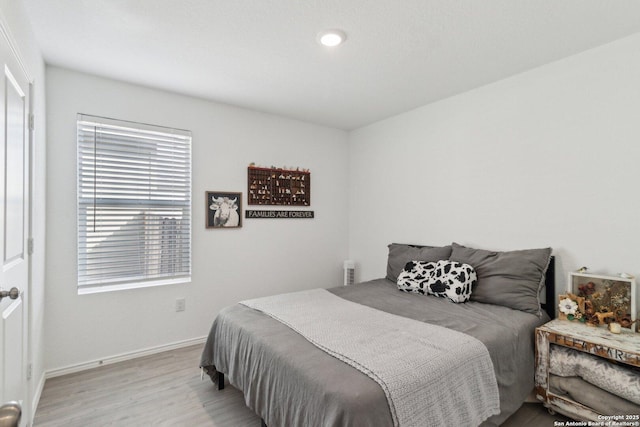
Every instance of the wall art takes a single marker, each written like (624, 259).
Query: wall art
(278, 186)
(223, 209)
(273, 214)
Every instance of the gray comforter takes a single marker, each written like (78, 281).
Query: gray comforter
(290, 382)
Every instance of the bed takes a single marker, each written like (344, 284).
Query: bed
(289, 381)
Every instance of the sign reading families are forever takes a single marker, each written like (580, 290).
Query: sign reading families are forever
(278, 214)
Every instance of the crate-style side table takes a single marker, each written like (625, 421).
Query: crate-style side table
(623, 348)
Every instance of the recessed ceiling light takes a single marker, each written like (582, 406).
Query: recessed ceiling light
(331, 38)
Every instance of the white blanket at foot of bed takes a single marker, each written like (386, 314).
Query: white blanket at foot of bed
(431, 376)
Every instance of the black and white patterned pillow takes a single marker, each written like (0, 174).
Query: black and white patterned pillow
(415, 276)
(452, 280)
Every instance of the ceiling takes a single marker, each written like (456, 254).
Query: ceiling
(263, 54)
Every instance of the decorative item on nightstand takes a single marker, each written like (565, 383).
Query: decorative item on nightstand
(596, 300)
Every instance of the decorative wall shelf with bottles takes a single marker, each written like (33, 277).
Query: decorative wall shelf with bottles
(276, 186)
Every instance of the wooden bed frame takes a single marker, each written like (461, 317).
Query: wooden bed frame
(549, 306)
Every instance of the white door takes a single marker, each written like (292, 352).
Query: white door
(14, 223)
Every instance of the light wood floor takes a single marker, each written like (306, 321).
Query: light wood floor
(165, 390)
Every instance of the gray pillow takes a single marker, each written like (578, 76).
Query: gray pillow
(512, 279)
(401, 254)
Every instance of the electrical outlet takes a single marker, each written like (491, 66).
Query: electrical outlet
(181, 304)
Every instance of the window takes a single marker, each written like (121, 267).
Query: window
(134, 205)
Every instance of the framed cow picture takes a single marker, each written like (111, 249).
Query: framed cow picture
(224, 209)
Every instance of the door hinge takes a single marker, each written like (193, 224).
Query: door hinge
(30, 245)
(32, 122)
(29, 371)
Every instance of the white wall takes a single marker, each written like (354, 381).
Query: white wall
(15, 21)
(261, 258)
(547, 157)
(550, 157)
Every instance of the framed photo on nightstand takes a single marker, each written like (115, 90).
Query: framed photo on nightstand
(611, 298)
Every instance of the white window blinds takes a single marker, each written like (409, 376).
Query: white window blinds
(134, 203)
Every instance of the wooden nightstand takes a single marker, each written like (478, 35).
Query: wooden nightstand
(621, 348)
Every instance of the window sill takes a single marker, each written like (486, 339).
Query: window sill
(86, 290)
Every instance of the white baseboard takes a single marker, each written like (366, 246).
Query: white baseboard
(122, 357)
